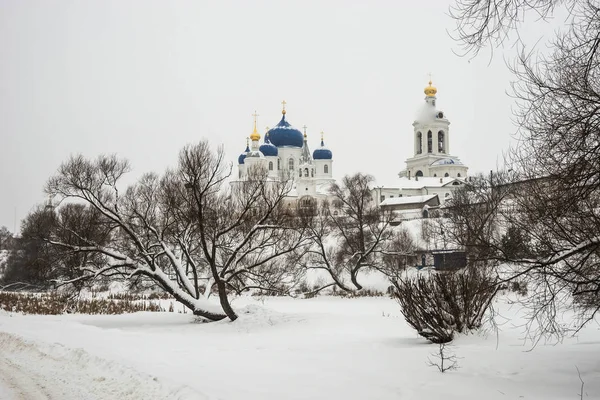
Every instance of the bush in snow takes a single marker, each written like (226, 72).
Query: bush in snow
(438, 305)
(54, 303)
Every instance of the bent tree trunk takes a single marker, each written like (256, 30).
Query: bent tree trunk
(353, 276)
(200, 307)
(224, 300)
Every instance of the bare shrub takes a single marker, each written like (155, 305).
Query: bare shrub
(438, 305)
(444, 359)
(59, 303)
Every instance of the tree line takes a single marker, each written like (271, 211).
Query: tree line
(192, 233)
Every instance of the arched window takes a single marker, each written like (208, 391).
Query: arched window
(446, 174)
(326, 168)
(425, 213)
(270, 165)
(419, 142)
(419, 173)
(312, 172)
(300, 172)
(291, 164)
(458, 175)
(306, 172)
(278, 164)
(429, 142)
(441, 142)
(435, 175)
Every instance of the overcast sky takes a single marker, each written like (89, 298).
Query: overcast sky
(143, 78)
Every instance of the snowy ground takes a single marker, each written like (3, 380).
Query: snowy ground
(281, 348)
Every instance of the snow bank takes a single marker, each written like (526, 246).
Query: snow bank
(51, 371)
(282, 348)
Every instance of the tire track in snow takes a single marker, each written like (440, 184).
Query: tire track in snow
(40, 371)
(22, 385)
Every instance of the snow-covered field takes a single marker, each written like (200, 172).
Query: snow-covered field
(282, 348)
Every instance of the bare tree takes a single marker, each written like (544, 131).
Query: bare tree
(555, 205)
(444, 359)
(481, 23)
(31, 261)
(5, 238)
(185, 231)
(246, 235)
(349, 233)
(471, 218)
(399, 252)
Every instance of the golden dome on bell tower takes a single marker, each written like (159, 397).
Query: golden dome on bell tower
(430, 90)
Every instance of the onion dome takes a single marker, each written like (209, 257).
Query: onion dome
(268, 149)
(430, 91)
(284, 134)
(242, 156)
(322, 153)
(255, 136)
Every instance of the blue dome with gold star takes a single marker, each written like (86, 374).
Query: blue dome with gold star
(283, 134)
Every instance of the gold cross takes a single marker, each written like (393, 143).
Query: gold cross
(283, 103)
(255, 115)
(304, 127)
(430, 78)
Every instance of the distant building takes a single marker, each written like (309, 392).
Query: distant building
(432, 170)
(411, 207)
(285, 154)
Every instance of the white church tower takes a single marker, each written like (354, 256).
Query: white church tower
(432, 143)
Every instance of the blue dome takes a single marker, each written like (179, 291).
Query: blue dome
(283, 134)
(322, 153)
(268, 149)
(242, 156)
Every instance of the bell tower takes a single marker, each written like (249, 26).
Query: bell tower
(431, 133)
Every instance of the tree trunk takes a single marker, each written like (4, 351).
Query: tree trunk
(188, 302)
(200, 313)
(353, 275)
(224, 300)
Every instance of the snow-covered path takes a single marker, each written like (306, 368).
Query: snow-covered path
(285, 349)
(18, 382)
(32, 371)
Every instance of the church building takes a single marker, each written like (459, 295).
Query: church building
(285, 154)
(432, 171)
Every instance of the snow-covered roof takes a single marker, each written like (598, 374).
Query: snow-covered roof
(407, 200)
(324, 187)
(447, 161)
(421, 182)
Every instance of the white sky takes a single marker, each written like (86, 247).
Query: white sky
(143, 78)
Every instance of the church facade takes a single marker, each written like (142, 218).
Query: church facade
(285, 155)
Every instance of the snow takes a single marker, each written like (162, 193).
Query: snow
(421, 182)
(283, 348)
(407, 200)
